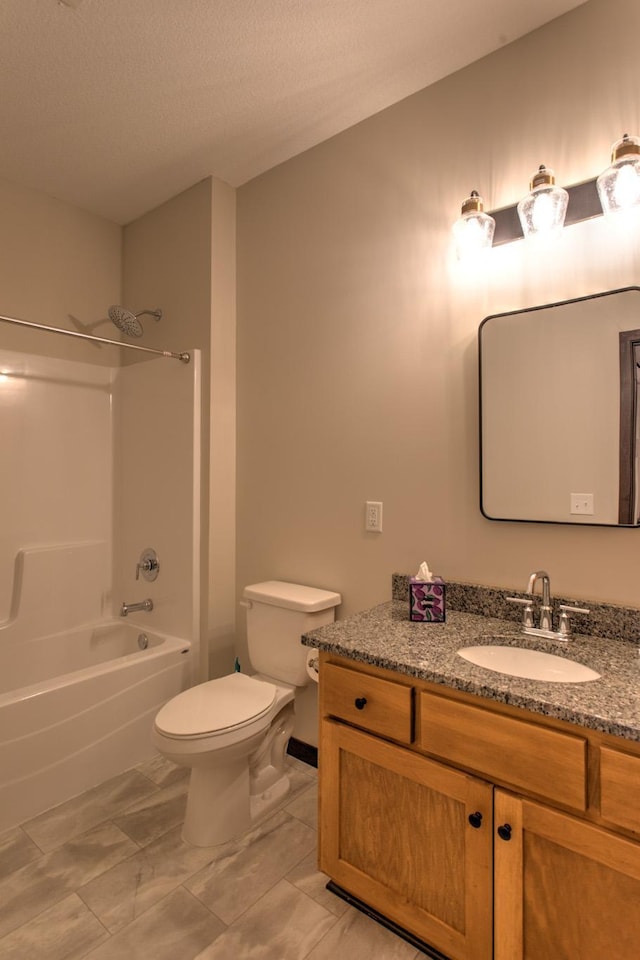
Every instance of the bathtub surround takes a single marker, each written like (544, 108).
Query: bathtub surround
(94, 453)
(156, 492)
(51, 588)
(55, 485)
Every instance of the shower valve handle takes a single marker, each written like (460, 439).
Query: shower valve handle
(148, 564)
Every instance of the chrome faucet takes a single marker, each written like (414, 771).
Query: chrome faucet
(545, 609)
(128, 608)
(546, 624)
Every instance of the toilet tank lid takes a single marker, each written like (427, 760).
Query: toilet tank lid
(292, 596)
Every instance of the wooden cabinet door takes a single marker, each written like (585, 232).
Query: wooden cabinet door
(564, 889)
(395, 832)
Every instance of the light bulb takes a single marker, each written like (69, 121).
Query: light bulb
(473, 231)
(619, 185)
(543, 210)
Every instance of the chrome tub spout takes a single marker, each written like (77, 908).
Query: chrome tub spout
(127, 608)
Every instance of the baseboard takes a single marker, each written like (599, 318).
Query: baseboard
(303, 751)
(383, 921)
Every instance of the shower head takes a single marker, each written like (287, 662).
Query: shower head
(128, 322)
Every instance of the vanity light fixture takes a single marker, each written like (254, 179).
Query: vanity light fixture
(473, 231)
(617, 188)
(619, 185)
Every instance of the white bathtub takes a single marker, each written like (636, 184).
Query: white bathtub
(77, 708)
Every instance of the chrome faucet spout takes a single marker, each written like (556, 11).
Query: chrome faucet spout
(546, 585)
(545, 611)
(127, 608)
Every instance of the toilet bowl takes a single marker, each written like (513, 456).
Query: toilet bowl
(214, 728)
(233, 731)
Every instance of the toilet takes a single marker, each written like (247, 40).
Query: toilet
(233, 731)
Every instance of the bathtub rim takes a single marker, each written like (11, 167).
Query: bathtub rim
(165, 647)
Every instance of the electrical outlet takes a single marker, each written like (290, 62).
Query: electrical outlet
(582, 503)
(373, 516)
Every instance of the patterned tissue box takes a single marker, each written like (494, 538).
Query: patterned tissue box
(427, 600)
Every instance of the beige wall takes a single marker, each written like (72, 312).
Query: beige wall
(357, 329)
(57, 264)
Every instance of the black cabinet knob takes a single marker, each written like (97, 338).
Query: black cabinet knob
(504, 831)
(475, 819)
(361, 703)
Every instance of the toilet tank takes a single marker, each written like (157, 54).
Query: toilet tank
(278, 613)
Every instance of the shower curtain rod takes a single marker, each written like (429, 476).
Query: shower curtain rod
(184, 357)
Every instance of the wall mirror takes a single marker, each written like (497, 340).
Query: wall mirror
(560, 411)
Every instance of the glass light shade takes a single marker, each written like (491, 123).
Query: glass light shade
(619, 185)
(543, 210)
(473, 231)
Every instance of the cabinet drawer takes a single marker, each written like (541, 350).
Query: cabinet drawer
(381, 706)
(619, 794)
(541, 761)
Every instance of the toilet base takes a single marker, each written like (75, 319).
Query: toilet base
(236, 810)
(207, 824)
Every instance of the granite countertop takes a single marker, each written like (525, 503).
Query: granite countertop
(384, 637)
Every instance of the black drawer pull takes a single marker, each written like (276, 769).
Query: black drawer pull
(360, 703)
(504, 831)
(475, 819)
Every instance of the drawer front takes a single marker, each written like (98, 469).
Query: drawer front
(541, 761)
(620, 788)
(380, 706)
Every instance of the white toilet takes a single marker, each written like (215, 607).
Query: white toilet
(233, 732)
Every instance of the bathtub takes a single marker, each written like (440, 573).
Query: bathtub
(78, 707)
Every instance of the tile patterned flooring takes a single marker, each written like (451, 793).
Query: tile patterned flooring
(107, 876)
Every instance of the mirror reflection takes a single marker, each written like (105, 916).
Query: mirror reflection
(559, 411)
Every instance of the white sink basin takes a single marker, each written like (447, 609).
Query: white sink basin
(532, 664)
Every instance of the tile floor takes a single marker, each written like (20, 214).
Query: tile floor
(107, 876)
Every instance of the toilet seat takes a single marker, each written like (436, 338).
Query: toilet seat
(216, 707)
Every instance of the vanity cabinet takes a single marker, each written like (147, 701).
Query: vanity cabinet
(485, 831)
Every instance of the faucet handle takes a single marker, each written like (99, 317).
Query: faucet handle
(527, 603)
(148, 564)
(564, 624)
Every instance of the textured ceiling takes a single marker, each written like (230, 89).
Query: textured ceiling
(117, 105)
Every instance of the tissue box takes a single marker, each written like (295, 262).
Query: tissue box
(427, 600)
